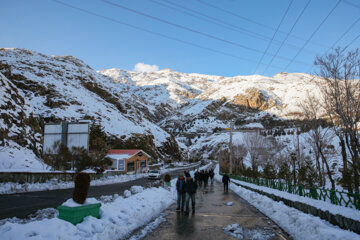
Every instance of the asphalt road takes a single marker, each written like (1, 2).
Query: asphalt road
(22, 204)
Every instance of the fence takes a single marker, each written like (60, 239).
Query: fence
(346, 199)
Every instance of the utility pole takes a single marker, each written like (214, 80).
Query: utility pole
(230, 146)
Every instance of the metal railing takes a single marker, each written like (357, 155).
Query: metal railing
(351, 200)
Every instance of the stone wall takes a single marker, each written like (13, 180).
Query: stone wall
(338, 220)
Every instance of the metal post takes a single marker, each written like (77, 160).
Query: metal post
(293, 159)
(230, 146)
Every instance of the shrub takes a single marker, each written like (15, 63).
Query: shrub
(82, 184)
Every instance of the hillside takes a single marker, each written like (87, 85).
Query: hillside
(167, 113)
(59, 88)
(19, 131)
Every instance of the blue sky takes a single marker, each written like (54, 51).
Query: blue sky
(240, 28)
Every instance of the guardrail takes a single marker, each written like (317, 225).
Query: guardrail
(346, 199)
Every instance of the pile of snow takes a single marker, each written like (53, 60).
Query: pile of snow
(149, 228)
(117, 219)
(71, 203)
(236, 231)
(296, 223)
(136, 189)
(127, 193)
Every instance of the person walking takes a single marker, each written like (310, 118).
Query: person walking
(200, 178)
(180, 187)
(226, 180)
(211, 174)
(196, 176)
(206, 178)
(190, 187)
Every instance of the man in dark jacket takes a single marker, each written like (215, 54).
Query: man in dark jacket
(180, 187)
(196, 176)
(212, 174)
(226, 180)
(190, 187)
(206, 178)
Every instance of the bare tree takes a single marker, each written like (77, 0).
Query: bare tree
(255, 143)
(318, 137)
(239, 152)
(223, 158)
(341, 72)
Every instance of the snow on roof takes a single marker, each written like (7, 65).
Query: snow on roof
(119, 156)
(129, 152)
(253, 125)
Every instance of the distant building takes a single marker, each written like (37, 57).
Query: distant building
(128, 160)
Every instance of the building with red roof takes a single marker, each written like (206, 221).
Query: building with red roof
(128, 160)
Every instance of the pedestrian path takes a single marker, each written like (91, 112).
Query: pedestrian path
(213, 213)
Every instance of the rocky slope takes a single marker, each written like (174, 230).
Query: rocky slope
(20, 134)
(148, 109)
(61, 88)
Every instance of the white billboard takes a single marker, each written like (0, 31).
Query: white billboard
(69, 134)
(78, 135)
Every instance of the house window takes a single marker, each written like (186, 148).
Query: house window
(121, 165)
(130, 166)
(143, 163)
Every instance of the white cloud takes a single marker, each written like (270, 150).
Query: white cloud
(142, 67)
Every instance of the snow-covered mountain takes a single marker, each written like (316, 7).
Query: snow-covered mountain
(151, 108)
(66, 88)
(278, 95)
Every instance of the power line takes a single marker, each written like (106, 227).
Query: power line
(252, 21)
(350, 3)
(358, 36)
(152, 32)
(277, 29)
(288, 34)
(207, 18)
(193, 30)
(312, 35)
(219, 22)
(352, 25)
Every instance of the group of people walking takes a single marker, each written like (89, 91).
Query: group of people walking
(186, 188)
(202, 177)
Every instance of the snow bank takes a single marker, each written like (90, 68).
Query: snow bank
(296, 223)
(325, 206)
(117, 219)
(10, 187)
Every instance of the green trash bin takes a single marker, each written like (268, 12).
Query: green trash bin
(76, 215)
